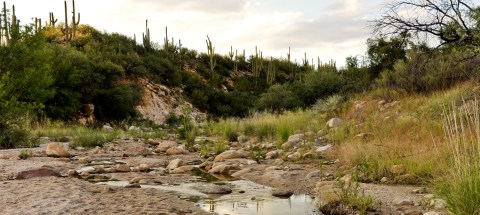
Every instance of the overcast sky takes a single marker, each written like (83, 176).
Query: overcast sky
(329, 29)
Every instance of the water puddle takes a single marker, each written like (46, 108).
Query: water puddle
(247, 198)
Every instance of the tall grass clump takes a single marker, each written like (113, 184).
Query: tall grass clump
(271, 126)
(86, 137)
(461, 187)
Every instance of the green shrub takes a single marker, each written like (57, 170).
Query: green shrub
(278, 98)
(25, 154)
(90, 138)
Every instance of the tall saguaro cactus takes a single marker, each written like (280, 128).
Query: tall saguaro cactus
(75, 21)
(5, 23)
(211, 54)
(38, 24)
(53, 21)
(146, 36)
(271, 72)
(66, 24)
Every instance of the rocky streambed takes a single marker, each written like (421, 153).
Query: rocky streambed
(162, 177)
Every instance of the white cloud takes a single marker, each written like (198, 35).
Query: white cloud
(336, 31)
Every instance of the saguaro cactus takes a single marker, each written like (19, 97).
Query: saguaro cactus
(66, 24)
(271, 71)
(5, 23)
(75, 22)
(211, 54)
(146, 36)
(38, 24)
(53, 21)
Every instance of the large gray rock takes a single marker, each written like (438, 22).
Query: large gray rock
(221, 169)
(334, 122)
(214, 189)
(164, 146)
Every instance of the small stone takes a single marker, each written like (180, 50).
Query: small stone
(175, 164)
(143, 181)
(72, 172)
(334, 122)
(221, 169)
(153, 142)
(402, 201)
(176, 151)
(241, 191)
(241, 172)
(438, 204)
(183, 169)
(272, 168)
(419, 190)
(282, 193)
(122, 168)
(135, 169)
(107, 128)
(384, 180)
(135, 180)
(429, 196)
(144, 167)
(164, 146)
(272, 154)
(253, 198)
(322, 149)
(55, 150)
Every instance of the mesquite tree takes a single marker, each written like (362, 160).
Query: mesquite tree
(450, 21)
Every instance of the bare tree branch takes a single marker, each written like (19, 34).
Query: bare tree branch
(451, 21)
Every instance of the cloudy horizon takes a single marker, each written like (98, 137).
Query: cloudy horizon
(326, 29)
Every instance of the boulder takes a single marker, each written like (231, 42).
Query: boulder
(272, 154)
(176, 151)
(231, 154)
(282, 193)
(293, 156)
(107, 128)
(296, 138)
(221, 169)
(175, 164)
(144, 167)
(164, 146)
(36, 173)
(183, 169)
(334, 122)
(322, 149)
(122, 168)
(241, 172)
(214, 189)
(55, 150)
(137, 151)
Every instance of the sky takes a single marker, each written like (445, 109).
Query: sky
(329, 29)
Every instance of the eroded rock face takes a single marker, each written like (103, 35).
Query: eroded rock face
(55, 150)
(35, 173)
(158, 102)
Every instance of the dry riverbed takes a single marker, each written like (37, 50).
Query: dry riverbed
(107, 181)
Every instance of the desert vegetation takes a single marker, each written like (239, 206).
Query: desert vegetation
(409, 112)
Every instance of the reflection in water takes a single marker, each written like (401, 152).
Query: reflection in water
(257, 200)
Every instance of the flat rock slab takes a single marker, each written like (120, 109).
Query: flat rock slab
(214, 189)
(36, 173)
